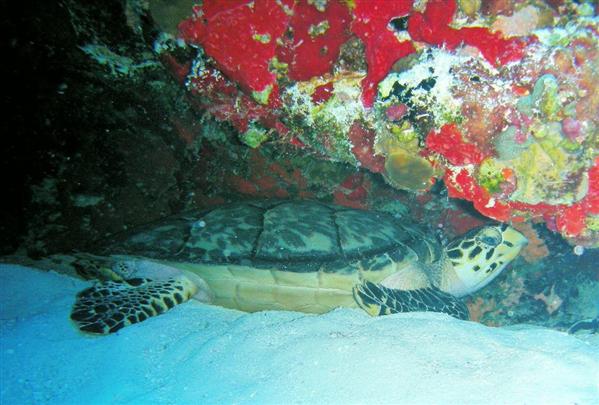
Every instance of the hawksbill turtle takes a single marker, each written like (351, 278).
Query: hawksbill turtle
(286, 255)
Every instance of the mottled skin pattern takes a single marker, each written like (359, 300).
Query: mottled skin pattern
(286, 255)
(378, 300)
(119, 303)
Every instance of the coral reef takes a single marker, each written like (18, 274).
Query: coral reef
(498, 102)
(382, 47)
(552, 301)
(252, 43)
(313, 39)
(117, 122)
(537, 248)
(479, 307)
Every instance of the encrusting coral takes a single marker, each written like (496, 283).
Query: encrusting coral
(500, 102)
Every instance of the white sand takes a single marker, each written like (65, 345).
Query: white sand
(203, 354)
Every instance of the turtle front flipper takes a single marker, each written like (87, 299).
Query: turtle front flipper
(589, 325)
(379, 300)
(111, 305)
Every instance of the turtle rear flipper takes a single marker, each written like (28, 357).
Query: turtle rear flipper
(111, 305)
(379, 300)
(589, 325)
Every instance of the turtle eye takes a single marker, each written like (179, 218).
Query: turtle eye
(490, 236)
(489, 241)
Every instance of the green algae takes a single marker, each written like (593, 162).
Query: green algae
(507, 148)
(490, 175)
(570, 146)
(318, 29)
(403, 135)
(546, 173)
(262, 38)
(544, 101)
(263, 95)
(254, 136)
(545, 96)
(592, 222)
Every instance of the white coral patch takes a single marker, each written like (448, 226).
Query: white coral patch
(438, 64)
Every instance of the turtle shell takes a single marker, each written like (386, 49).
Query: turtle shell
(296, 236)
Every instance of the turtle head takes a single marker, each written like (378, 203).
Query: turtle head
(481, 254)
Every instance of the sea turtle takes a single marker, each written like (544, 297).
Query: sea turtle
(287, 255)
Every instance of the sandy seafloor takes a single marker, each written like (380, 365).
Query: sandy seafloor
(199, 354)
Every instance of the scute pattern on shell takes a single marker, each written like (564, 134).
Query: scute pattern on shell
(299, 230)
(231, 231)
(298, 236)
(154, 240)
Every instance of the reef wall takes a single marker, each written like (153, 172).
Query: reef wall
(498, 101)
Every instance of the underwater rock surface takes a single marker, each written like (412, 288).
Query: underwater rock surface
(199, 353)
